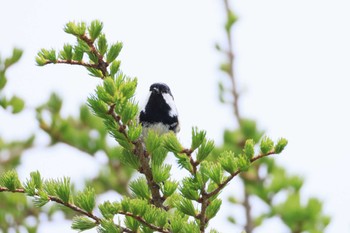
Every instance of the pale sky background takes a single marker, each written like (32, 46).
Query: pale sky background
(292, 65)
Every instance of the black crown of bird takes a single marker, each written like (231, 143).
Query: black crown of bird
(159, 113)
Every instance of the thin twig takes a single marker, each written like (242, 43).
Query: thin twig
(194, 164)
(231, 74)
(249, 225)
(101, 65)
(72, 62)
(4, 189)
(117, 119)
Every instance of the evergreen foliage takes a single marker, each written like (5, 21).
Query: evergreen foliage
(155, 200)
(157, 203)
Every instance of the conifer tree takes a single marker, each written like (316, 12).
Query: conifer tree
(157, 202)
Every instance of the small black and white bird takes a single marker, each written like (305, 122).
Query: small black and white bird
(160, 113)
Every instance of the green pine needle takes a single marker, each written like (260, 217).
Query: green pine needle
(76, 29)
(98, 107)
(228, 161)
(204, 150)
(266, 145)
(134, 131)
(153, 141)
(139, 187)
(114, 67)
(189, 191)
(213, 208)
(171, 143)
(78, 53)
(114, 51)
(129, 159)
(281, 144)
(102, 44)
(33, 184)
(132, 223)
(82, 223)
(215, 172)
(108, 209)
(186, 206)
(63, 189)
(169, 187)
(161, 173)
(67, 52)
(10, 180)
(108, 226)
(95, 29)
(198, 138)
(86, 199)
(42, 199)
(110, 86)
(243, 163)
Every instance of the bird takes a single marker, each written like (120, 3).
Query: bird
(160, 112)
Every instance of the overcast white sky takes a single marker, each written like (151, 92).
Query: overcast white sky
(292, 66)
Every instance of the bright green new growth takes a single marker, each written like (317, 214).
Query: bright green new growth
(81, 223)
(266, 145)
(281, 144)
(86, 199)
(10, 180)
(140, 188)
(159, 201)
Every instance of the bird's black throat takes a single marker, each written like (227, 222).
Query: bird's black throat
(157, 111)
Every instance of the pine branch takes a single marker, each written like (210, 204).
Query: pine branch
(202, 216)
(87, 43)
(205, 196)
(230, 70)
(249, 225)
(101, 65)
(122, 127)
(59, 201)
(144, 222)
(145, 168)
(69, 205)
(223, 184)
(4, 189)
(72, 62)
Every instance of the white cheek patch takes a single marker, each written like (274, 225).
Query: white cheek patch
(170, 101)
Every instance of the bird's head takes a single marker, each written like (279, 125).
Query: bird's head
(160, 88)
